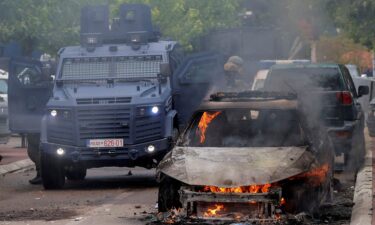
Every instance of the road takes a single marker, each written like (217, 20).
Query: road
(107, 196)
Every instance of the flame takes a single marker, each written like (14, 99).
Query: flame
(282, 201)
(245, 189)
(206, 119)
(212, 212)
(317, 175)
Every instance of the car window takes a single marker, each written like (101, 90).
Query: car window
(29, 76)
(348, 80)
(3, 86)
(245, 128)
(301, 79)
(199, 72)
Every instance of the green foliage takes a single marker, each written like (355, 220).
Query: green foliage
(44, 24)
(356, 18)
(51, 24)
(184, 20)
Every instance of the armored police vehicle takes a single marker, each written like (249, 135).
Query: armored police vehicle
(114, 99)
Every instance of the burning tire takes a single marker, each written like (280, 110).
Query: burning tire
(168, 196)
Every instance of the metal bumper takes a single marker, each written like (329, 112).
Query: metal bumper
(259, 207)
(130, 155)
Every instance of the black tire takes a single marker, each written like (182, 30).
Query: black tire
(168, 196)
(52, 172)
(76, 173)
(33, 141)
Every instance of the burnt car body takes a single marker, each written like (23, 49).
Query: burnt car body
(247, 157)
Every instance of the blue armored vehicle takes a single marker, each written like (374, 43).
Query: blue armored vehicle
(118, 99)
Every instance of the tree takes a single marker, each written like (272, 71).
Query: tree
(184, 20)
(44, 24)
(356, 18)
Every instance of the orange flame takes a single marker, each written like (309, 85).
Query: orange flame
(206, 119)
(317, 175)
(245, 189)
(212, 212)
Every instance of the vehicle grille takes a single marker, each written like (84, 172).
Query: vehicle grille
(61, 132)
(104, 123)
(147, 128)
(92, 101)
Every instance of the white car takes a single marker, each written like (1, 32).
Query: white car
(259, 79)
(4, 123)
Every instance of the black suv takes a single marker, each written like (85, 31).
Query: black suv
(329, 96)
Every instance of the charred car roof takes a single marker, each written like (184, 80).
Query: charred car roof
(250, 100)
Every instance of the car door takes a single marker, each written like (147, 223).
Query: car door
(358, 112)
(30, 87)
(193, 80)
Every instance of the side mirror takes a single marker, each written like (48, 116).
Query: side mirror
(165, 70)
(363, 90)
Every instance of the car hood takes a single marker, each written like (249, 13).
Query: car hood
(234, 167)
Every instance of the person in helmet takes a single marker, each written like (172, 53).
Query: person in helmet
(233, 70)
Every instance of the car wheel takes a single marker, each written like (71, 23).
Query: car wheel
(168, 196)
(52, 172)
(76, 173)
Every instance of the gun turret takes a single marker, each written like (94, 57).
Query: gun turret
(134, 25)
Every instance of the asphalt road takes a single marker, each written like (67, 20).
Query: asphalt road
(109, 196)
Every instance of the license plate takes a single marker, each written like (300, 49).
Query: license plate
(105, 143)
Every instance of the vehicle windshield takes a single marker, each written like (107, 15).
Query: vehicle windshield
(123, 67)
(3, 87)
(300, 79)
(245, 128)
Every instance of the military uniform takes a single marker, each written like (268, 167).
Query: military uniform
(233, 70)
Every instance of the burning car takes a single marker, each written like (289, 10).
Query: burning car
(247, 157)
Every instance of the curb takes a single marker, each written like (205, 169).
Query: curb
(15, 166)
(362, 209)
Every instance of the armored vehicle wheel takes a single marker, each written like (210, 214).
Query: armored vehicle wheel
(52, 172)
(76, 173)
(168, 197)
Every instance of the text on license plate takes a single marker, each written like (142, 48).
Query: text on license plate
(105, 143)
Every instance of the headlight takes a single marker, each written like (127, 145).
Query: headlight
(151, 148)
(148, 110)
(53, 113)
(155, 109)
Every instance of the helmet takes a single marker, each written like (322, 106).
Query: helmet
(234, 64)
(235, 60)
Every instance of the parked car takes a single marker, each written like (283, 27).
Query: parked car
(4, 124)
(328, 92)
(371, 111)
(247, 157)
(360, 80)
(259, 79)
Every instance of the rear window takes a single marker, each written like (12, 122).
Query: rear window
(244, 128)
(299, 79)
